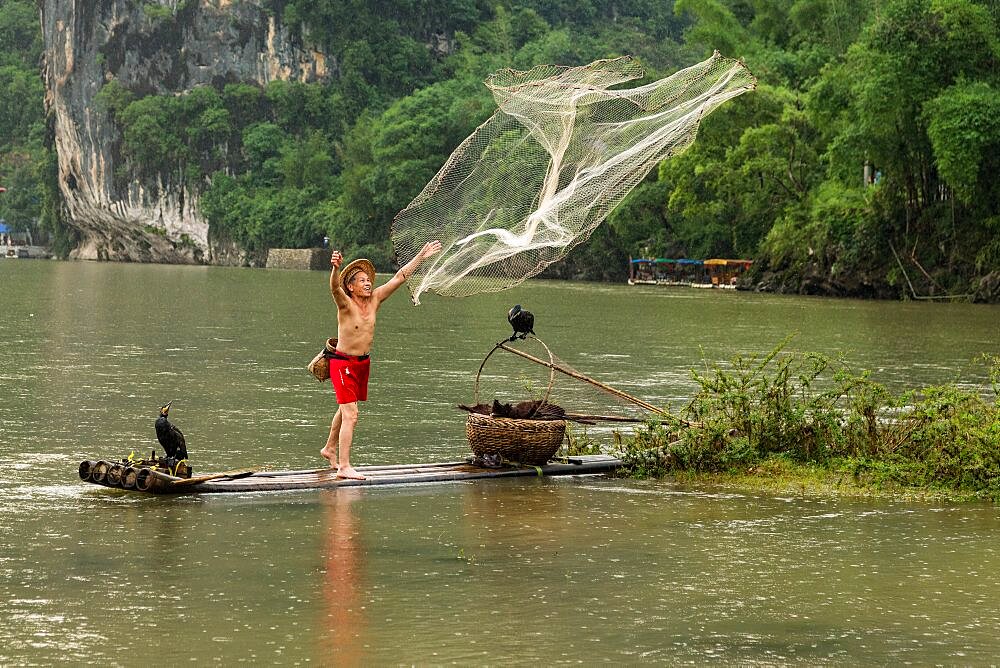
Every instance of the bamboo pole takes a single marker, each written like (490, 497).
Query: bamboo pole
(607, 388)
(232, 475)
(579, 417)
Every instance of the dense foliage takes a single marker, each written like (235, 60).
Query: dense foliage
(289, 163)
(811, 410)
(24, 160)
(906, 87)
(906, 92)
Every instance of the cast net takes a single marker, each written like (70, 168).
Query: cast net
(558, 155)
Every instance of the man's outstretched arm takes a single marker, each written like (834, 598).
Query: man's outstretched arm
(340, 297)
(404, 273)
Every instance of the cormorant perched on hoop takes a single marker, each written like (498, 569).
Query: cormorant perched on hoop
(169, 436)
(522, 321)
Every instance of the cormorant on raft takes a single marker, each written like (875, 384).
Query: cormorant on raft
(525, 410)
(522, 321)
(169, 436)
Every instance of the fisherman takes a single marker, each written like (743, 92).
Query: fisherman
(357, 303)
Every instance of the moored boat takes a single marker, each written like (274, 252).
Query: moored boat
(712, 273)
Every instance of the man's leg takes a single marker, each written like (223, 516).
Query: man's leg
(329, 450)
(349, 418)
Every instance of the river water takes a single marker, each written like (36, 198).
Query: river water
(526, 571)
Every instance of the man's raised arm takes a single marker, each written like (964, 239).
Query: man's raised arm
(336, 290)
(404, 273)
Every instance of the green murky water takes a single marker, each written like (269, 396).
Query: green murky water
(515, 571)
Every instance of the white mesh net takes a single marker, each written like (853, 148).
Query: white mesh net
(558, 155)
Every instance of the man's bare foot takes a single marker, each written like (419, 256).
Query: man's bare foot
(330, 456)
(348, 472)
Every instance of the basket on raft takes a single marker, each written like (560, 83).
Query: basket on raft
(517, 440)
(523, 441)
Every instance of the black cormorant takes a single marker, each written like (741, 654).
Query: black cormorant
(522, 321)
(169, 436)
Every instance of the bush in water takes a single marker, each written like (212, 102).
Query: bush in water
(810, 409)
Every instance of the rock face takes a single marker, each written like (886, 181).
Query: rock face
(988, 289)
(150, 46)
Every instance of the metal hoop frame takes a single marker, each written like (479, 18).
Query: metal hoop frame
(552, 371)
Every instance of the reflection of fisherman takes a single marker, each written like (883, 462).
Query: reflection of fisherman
(343, 642)
(357, 303)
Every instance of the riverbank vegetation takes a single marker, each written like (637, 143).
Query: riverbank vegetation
(863, 165)
(25, 162)
(809, 421)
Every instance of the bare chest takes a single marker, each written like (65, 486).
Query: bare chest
(359, 319)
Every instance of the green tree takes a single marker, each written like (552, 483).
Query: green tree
(20, 34)
(22, 204)
(752, 161)
(23, 156)
(389, 159)
(963, 124)
(21, 93)
(114, 98)
(964, 129)
(906, 73)
(262, 144)
(151, 135)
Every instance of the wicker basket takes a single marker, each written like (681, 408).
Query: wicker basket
(523, 441)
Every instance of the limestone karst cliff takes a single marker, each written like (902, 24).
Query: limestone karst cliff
(161, 47)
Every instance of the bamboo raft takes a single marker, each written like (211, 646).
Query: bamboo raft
(156, 482)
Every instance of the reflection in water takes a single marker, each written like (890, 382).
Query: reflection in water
(536, 515)
(345, 627)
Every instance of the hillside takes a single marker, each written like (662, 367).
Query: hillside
(210, 131)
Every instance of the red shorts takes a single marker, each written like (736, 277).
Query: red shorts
(349, 376)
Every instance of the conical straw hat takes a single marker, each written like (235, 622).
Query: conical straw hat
(361, 264)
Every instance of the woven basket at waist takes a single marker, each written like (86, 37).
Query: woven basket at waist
(524, 441)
